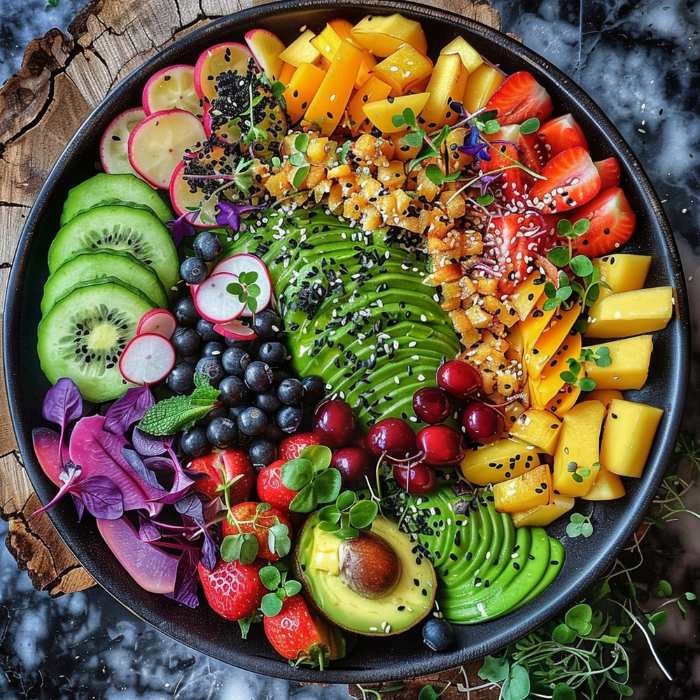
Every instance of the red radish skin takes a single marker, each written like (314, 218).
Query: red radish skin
(206, 119)
(184, 201)
(212, 300)
(147, 359)
(212, 62)
(235, 330)
(158, 143)
(47, 448)
(158, 321)
(266, 48)
(245, 262)
(114, 144)
(171, 87)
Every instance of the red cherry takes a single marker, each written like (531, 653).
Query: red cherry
(392, 436)
(335, 421)
(459, 378)
(431, 405)
(481, 422)
(418, 478)
(441, 445)
(352, 463)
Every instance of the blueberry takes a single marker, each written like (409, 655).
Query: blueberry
(279, 375)
(180, 379)
(206, 331)
(185, 313)
(222, 432)
(236, 411)
(235, 361)
(193, 270)
(438, 634)
(273, 433)
(252, 421)
(213, 349)
(206, 245)
(262, 452)
(314, 389)
(218, 412)
(185, 341)
(267, 402)
(258, 376)
(289, 419)
(290, 392)
(211, 368)
(190, 360)
(273, 352)
(233, 391)
(194, 442)
(267, 324)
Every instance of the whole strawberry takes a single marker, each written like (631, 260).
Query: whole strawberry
(233, 590)
(271, 489)
(224, 467)
(261, 520)
(292, 446)
(302, 638)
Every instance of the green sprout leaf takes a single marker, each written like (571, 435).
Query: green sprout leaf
(581, 265)
(270, 577)
(291, 587)
(326, 485)
(563, 634)
(363, 513)
(579, 618)
(299, 176)
(319, 456)
(530, 126)
(305, 501)
(297, 473)
(345, 500)
(301, 142)
(579, 525)
(242, 547)
(494, 670)
(559, 256)
(271, 604)
(485, 200)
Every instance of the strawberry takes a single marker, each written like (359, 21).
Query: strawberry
(612, 223)
(248, 518)
(529, 150)
(511, 181)
(561, 133)
(271, 489)
(571, 180)
(218, 467)
(300, 637)
(609, 171)
(291, 447)
(518, 98)
(233, 590)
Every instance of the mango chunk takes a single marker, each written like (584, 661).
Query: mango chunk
(384, 35)
(628, 435)
(533, 488)
(301, 89)
(629, 367)
(538, 357)
(622, 272)
(382, 112)
(527, 294)
(329, 40)
(539, 428)
(286, 73)
(482, 83)
(371, 91)
(403, 68)
(577, 459)
(607, 487)
(544, 388)
(541, 516)
(446, 85)
(470, 57)
(565, 398)
(498, 461)
(605, 396)
(630, 313)
(301, 50)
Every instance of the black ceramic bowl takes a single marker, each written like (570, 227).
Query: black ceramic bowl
(371, 660)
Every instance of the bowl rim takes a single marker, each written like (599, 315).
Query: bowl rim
(665, 439)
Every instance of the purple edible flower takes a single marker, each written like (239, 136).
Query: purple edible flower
(474, 146)
(182, 227)
(229, 213)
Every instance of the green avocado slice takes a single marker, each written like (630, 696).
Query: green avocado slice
(557, 555)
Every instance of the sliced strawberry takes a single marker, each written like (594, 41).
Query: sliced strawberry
(252, 519)
(233, 590)
(291, 447)
(571, 180)
(511, 181)
(226, 466)
(530, 151)
(612, 223)
(520, 97)
(561, 133)
(271, 489)
(609, 171)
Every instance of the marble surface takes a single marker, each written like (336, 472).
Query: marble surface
(639, 59)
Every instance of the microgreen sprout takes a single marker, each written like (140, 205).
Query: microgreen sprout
(279, 587)
(311, 475)
(348, 516)
(246, 289)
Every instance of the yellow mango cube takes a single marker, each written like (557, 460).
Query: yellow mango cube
(382, 112)
(564, 400)
(577, 459)
(622, 272)
(286, 73)
(628, 435)
(546, 346)
(301, 89)
(498, 461)
(629, 365)
(539, 428)
(482, 83)
(630, 313)
(446, 85)
(301, 50)
(544, 388)
(384, 35)
(403, 68)
(527, 294)
(605, 396)
(541, 516)
(607, 487)
(533, 488)
(533, 326)
(372, 90)
(470, 57)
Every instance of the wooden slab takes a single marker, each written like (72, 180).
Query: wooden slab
(62, 78)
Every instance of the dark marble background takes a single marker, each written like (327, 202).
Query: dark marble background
(640, 60)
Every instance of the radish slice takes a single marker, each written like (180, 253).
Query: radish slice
(184, 200)
(236, 330)
(158, 143)
(266, 48)
(157, 321)
(206, 119)
(147, 359)
(47, 448)
(245, 262)
(214, 302)
(171, 88)
(216, 60)
(229, 131)
(114, 145)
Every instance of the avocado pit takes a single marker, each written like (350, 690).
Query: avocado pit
(369, 565)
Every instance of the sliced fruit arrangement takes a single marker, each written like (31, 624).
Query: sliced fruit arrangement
(353, 269)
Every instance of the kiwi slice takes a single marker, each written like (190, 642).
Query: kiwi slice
(89, 267)
(114, 227)
(83, 335)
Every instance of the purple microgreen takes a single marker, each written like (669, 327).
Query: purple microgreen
(183, 227)
(62, 405)
(185, 590)
(230, 213)
(101, 497)
(147, 445)
(148, 530)
(129, 409)
(144, 473)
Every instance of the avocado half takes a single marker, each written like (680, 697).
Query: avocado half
(317, 561)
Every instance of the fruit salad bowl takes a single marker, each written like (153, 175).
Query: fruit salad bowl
(369, 659)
